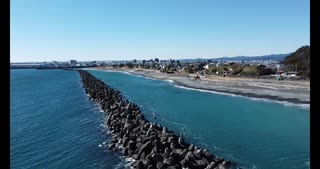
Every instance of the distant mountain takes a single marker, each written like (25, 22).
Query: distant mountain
(275, 57)
(278, 57)
(300, 60)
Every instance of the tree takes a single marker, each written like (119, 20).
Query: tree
(178, 63)
(130, 65)
(236, 69)
(153, 65)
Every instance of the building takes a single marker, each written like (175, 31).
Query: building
(279, 66)
(73, 62)
(206, 66)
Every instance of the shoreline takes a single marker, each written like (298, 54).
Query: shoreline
(250, 95)
(145, 144)
(292, 93)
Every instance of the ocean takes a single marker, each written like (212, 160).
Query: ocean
(54, 125)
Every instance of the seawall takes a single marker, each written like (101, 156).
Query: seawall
(151, 145)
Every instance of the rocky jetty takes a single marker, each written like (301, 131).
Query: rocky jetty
(151, 145)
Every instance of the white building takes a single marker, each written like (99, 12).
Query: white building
(206, 66)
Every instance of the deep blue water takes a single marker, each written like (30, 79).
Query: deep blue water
(54, 125)
(253, 133)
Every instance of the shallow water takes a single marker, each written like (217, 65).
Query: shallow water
(255, 133)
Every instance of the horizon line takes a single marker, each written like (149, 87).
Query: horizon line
(158, 58)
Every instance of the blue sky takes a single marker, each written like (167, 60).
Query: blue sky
(46, 30)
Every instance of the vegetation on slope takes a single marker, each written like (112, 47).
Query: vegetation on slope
(299, 60)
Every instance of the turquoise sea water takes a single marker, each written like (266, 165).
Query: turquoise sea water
(253, 133)
(54, 125)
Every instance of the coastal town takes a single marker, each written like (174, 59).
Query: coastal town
(283, 77)
(260, 67)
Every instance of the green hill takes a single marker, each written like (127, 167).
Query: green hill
(300, 60)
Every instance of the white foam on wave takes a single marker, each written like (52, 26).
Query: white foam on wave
(128, 73)
(104, 145)
(183, 128)
(170, 81)
(175, 123)
(285, 103)
(283, 158)
(202, 90)
(153, 113)
(307, 163)
(126, 162)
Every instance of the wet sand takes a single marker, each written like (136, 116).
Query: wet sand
(290, 91)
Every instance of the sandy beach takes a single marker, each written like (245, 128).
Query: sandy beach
(290, 91)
